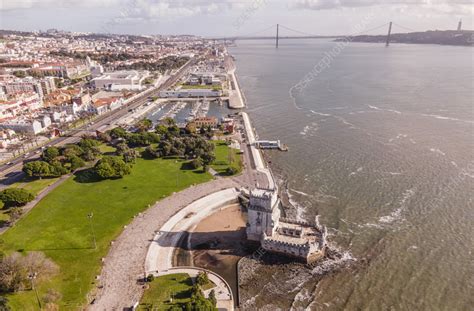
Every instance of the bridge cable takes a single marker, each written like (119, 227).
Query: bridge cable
(255, 33)
(368, 30)
(406, 28)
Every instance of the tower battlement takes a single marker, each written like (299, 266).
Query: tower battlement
(289, 237)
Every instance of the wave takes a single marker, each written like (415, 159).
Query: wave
(436, 116)
(338, 260)
(356, 171)
(320, 113)
(300, 210)
(293, 97)
(300, 192)
(436, 150)
(381, 109)
(396, 215)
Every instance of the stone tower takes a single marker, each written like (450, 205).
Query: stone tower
(263, 213)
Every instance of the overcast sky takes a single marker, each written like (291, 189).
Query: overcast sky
(234, 17)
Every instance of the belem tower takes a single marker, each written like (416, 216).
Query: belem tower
(289, 237)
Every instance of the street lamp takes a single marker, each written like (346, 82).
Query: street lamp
(32, 277)
(90, 215)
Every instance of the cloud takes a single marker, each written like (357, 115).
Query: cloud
(441, 6)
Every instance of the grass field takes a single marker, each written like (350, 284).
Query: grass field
(162, 288)
(59, 227)
(224, 158)
(35, 186)
(194, 87)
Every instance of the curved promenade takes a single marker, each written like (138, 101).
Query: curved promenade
(124, 263)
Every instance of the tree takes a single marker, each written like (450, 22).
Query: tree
(16, 197)
(112, 167)
(212, 298)
(15, 270)
(50, 154)
(207, 159)
(37, 169)
(88, 143)
(19, 73)
(90, 154)
(12, 273)
(57, 169)
(121, 148)
(72, 150)
(202, 278)
(231, 170)
(161, 129)
(105, 137)
(4, 304)
(15, 214)
(76, 162)
(130, 156)
(196, 163)
(118, 132)
(144, 125)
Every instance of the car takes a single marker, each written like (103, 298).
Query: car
(9, 163)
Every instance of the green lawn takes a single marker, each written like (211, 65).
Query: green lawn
(157, 296)
(193, 87)
(35, 186)
(58, 225)
(224, 159)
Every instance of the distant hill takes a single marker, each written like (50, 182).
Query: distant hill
(444, 37)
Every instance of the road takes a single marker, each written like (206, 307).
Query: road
(10, 173)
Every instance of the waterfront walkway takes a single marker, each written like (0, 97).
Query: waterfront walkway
(124, 263)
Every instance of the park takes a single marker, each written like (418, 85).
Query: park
(75, 224)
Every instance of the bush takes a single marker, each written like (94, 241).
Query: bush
(202, 278)
(150, 278)
(196, 163)
(16, 197)
(231, 170)
(112, 167)
(15, 269)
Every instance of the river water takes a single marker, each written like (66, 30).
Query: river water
(381, 147)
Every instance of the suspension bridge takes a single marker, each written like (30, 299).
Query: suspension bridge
(297, 34)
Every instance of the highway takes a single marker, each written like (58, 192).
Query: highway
(10, 173)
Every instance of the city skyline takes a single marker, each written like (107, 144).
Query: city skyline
(220, 18)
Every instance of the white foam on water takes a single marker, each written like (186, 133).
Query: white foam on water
(445, 118)
(395, 173)
(300, 192)
(329, 264)
(300, 210)
(381, 109)
(399, 136)
(310, 129)
(344, 121)
(396, 215)
(320, 113)
(436, 150)
(356, 171)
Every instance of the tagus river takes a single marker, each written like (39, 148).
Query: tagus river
(381, 147)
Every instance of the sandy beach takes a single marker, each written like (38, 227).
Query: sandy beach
(219, 241)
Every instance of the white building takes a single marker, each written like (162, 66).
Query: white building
(186, 93)
(121, 80)
(285, 236)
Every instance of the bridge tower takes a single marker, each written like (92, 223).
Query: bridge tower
(389, 33)
(277, 38)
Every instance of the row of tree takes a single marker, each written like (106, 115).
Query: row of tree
(58, 161)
